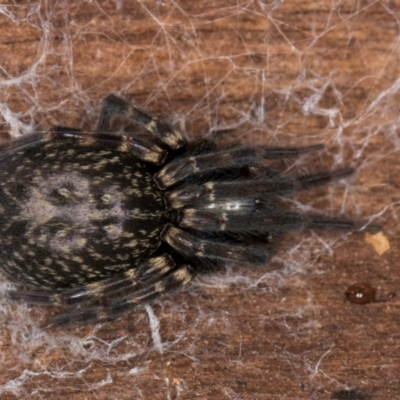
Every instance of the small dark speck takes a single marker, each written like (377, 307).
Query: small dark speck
(360, 293)
(364, 293)
(350, 394)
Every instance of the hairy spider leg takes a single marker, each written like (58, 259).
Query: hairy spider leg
(236, 157)
(176, 279)
(131, 281)
(114, 105)
(139, 148)
(191, 246)
(267, 220)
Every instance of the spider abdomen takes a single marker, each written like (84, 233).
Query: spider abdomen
(74, 213)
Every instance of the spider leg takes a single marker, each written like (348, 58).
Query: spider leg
(236, 157)
(191, 246)
(143, 150)
(114, 105)
(10, 145)
(132, 280)
(244, 194)
(267, 220)
(322, 178)
(118, 306)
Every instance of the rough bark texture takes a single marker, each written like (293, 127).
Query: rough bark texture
(298, 72)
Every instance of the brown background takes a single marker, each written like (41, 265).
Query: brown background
(261, 72)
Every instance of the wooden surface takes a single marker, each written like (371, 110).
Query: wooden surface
(297, 72)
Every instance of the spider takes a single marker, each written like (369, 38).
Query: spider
(100, 223)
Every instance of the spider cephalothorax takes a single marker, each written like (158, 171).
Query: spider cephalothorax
(111, 221)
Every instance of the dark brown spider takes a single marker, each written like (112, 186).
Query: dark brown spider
(110, 221)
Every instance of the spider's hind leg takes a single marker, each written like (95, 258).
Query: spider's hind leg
(114, 105)
(144, 150)
(129, 281)
(108, 299)
(115, 307)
